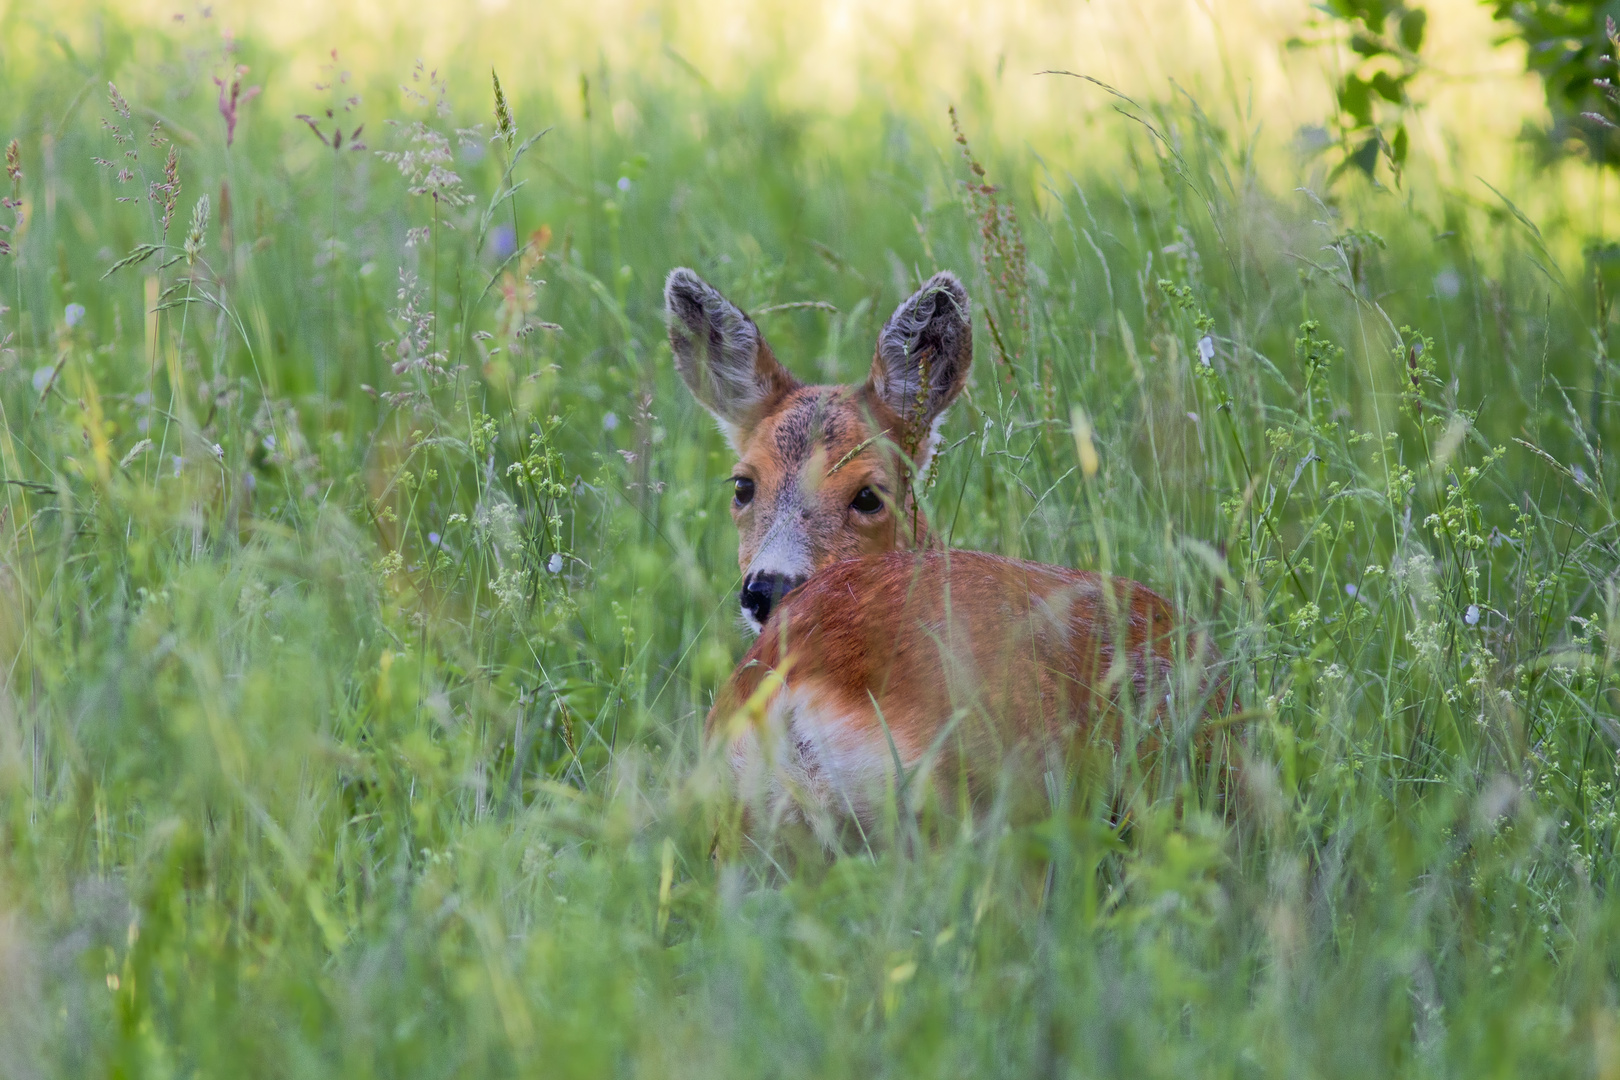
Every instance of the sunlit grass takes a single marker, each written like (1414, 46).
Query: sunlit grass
(365, 573)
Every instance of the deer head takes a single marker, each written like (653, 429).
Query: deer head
(823, 473)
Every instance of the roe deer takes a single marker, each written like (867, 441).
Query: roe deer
(881, 655)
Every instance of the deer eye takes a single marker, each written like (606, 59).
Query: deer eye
(744, 490)
(866, 501)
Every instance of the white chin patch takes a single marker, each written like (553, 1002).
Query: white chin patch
(753, 625)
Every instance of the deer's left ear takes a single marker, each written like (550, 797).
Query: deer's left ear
(923, 356)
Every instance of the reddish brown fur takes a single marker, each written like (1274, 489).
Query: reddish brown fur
(1022, 660)
(894, 652)
(905, 625)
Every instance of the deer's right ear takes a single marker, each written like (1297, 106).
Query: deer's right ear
(721, 356)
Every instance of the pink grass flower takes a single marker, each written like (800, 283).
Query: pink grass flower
(232, 95)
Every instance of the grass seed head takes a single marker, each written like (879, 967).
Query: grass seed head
(170, 188)
(1002, 254)
(197, 234)
(505, 127)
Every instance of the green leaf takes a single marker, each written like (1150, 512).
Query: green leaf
(1366, 45)
(1365, 157)
(1389, 87)
(1397, 151)
(1355, 100)
(1413, 24)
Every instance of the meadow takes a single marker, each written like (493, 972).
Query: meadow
(366, 575)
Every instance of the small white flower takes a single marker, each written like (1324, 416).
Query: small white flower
(1206, 349)
(1193, 417)
(74, 314)
(219, 451)
(610, 422)
(1471, 616)
(555, 563)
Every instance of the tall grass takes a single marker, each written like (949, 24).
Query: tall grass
(365, 577)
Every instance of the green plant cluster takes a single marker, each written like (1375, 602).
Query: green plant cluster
(1568, 46)
(1374, 95)
(366, 575)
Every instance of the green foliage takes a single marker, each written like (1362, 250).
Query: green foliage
(1567, 44)
(1374, 94)
(365, 576)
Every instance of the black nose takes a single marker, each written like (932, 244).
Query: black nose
(761, 592)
